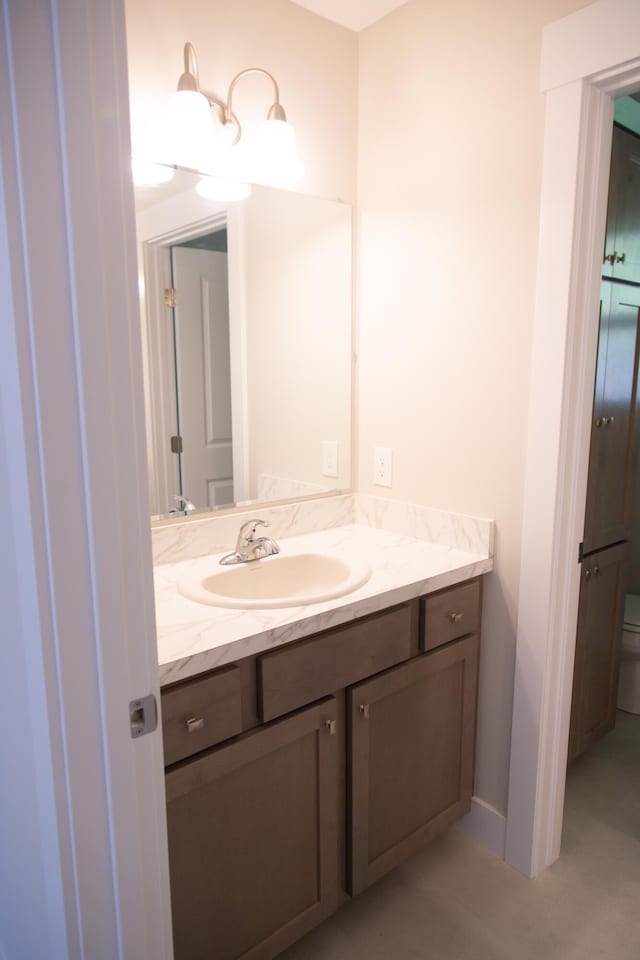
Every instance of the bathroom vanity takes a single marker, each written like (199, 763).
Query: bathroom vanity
(308, 765)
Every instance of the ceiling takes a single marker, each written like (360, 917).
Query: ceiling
(354, 14)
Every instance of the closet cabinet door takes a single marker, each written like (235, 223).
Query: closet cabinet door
(412, 738)
(622, 245)
(612, 448)
(600, 625)
(253, 845)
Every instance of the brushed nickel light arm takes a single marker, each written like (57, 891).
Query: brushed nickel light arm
(190, 80)
(276, 111)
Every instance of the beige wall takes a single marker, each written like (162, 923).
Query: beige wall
(313, 60)
(444, 103)
(450, 146)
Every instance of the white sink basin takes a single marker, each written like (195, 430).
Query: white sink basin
(279, 581)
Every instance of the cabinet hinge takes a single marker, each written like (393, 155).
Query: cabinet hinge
(176, 444)
(170, 296)
(143, 716)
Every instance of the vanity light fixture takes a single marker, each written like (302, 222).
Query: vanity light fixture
(271, 155)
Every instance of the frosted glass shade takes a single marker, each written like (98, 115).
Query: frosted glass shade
(191, 135)
(216, 188)
(146, 173)
(275, 156)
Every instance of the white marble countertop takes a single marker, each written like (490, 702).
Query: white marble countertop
(194, 637)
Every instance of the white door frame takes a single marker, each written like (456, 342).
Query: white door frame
(85, 810)
(587, 59)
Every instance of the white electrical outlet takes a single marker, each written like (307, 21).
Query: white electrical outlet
(382, 466)
(330, 458)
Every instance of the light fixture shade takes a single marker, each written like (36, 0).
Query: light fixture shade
(147, 173)
(191, 134)
(276, 155)
(227, 191)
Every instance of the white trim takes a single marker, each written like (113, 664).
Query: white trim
(573, 207)
(486, 825)
(236, 265)
(84, 616)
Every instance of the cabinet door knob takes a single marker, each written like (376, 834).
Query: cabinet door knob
(194, 724)
(587, 573)
(330, 727)
(596, 570)
(455, 617)
(364, 710)
(598, 422)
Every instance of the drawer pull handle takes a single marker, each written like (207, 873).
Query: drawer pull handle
(455, 617)
(330, 727)
(194, 724)
(364, 710)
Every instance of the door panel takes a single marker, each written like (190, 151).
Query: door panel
(412, 756)
(253, 839)
(611, 456)
(600, 625)
(203, 374)
(623, 214)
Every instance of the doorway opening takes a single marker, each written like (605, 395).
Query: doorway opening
(604, 734)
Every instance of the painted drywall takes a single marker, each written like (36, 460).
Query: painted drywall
(313, 60)
(450, 147)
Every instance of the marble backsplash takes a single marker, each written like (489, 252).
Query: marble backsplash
(177, 541)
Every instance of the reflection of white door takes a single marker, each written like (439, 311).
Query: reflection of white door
(203, 375)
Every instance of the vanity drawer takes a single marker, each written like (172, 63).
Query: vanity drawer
(450, 614)
(199, 713)
(310, 669)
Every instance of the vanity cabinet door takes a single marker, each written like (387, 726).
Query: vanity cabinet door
(253, 839)
(412, 739)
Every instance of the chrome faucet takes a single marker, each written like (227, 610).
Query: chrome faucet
(250, 547)
(184, 505)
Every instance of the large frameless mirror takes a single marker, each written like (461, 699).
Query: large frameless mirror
(246, 310)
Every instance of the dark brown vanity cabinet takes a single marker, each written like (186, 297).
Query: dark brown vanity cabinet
(341, 754)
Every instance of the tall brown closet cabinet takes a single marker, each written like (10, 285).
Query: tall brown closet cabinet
(612, 458)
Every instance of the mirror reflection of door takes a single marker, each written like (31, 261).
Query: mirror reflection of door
(203, 374)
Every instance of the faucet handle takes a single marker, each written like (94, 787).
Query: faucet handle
(248, 529)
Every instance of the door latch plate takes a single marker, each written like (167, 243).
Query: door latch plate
(143, 716)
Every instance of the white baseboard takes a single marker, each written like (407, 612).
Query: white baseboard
(486, 825)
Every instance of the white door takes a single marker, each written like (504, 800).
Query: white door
(84, 867)
(203, 375)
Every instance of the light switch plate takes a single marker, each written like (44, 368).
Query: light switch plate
(382, 466)
(330, 458)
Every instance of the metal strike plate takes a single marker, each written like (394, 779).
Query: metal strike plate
(143, 716)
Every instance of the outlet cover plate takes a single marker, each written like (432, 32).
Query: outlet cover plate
(382, 466)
